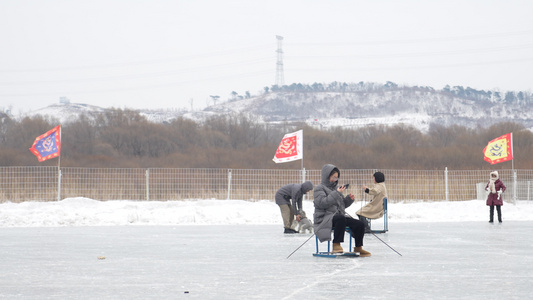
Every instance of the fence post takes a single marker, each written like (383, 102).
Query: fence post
(528, 187)
(514, 186)
(58, 184)
(147, 175)
(229, 184)
(446, 183)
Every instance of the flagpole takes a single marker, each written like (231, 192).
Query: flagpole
(302, 161)
(512, 166)
(59, 170)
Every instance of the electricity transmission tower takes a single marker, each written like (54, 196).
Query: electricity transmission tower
(280, 81)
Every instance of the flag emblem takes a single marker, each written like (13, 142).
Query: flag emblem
(290, 148)
(47, 145)
(499, 149)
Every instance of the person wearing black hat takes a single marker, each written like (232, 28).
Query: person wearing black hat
(374, 209)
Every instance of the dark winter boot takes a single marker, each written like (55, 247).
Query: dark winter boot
(491, 214)
(499, 210)
(288, 230)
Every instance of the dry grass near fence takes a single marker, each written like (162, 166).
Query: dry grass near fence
(19, 184)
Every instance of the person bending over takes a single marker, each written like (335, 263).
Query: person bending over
(284, 195)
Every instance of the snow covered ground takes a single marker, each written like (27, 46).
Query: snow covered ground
(88, 212)
(216, 249)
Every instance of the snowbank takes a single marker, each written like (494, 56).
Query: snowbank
(88, 212)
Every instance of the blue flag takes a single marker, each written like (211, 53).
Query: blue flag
(47, 145)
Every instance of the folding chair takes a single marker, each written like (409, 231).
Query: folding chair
(385, 219)
(333, 255)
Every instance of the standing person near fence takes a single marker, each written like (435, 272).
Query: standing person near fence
(375, 208)
(495, 187)
(330, 212)
(284, 195)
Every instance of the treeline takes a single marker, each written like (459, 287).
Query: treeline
(509, 97)
(125, 139)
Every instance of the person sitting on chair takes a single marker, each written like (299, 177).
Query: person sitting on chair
(330, 205)
(375, 208)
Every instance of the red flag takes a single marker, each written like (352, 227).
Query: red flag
(499, 149)
(47, 145)
(290, 148)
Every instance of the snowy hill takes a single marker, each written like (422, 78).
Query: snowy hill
(67, 112)
(350, 105)
(388, 105)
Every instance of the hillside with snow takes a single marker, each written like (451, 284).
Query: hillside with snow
(348, 105)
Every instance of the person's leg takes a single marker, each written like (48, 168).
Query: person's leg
(358, 230)
(285, 215)
(291, 216)
(365, 222)
(339, 223)
(499, 209)
(491, 214)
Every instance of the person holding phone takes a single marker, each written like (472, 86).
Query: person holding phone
(330, 212)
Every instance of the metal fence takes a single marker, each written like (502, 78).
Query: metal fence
(18, 184)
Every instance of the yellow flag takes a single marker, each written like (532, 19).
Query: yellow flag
(499, 149)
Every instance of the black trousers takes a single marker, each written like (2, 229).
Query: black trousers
(340, 223)
(365, 221)
(498, 209)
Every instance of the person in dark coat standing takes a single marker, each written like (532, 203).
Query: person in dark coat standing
(284, 195)
(495, 187)
(330, 212)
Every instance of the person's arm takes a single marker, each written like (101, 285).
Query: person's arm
(348, 200)
(376, 189)
(322, 200)
(502, 187)
(365, 188)
(296, 195)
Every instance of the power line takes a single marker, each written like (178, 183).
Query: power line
(280, 81)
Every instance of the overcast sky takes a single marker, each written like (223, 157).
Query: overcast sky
(176, 53)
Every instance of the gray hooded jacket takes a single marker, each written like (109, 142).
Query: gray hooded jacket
(328, 202)
(295, 192)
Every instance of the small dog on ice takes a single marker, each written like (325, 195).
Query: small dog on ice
(304, 224)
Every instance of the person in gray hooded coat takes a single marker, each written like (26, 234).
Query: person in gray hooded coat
(283, 198)
(330, 212)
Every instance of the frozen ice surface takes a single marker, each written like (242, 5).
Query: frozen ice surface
(456, 260)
